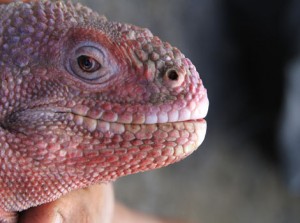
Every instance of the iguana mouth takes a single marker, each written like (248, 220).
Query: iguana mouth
(185, 136)
(145, 114)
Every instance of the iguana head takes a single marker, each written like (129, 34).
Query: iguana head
(86, 100)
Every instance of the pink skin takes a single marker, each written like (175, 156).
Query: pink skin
(66, 125)
(94, 204)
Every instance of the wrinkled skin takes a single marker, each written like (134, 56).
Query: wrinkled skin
(85, 101)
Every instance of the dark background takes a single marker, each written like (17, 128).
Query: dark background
(248, 168)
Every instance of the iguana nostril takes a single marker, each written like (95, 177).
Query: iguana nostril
(172, 75)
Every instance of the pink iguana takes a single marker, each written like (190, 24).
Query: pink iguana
(84, 100)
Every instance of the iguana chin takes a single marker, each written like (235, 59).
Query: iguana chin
(85, 100)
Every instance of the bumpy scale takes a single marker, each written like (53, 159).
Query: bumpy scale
(84, 100)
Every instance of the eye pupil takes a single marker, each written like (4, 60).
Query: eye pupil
(88, 64)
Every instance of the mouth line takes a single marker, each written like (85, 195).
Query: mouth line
(68, 111)
(126, 123)
(19, 123)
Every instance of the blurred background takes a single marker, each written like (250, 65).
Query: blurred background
(247, 53)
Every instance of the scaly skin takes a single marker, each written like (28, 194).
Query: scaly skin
(85, 100)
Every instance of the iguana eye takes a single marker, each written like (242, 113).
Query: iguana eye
(88, 64)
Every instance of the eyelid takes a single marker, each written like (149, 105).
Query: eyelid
(109, 65)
